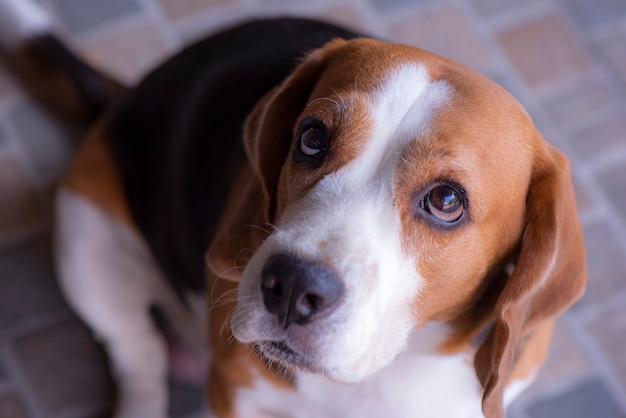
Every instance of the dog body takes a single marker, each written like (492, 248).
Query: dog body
(381, 231)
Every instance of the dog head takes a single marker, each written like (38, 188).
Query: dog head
(399, 186)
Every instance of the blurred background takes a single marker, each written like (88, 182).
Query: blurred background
(565, 60)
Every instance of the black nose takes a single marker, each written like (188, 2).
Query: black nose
(297, 290)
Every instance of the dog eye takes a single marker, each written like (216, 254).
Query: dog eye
(313, 141)
(444, 202)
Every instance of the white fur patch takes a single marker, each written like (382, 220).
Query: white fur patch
(110, 279)
(20, 20)
(418, 384)
(349, 221)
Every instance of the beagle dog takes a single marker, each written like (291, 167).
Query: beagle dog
(377, 231)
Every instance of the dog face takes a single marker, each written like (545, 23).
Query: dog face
(399, 185)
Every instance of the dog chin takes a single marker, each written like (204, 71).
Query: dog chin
(278, 354)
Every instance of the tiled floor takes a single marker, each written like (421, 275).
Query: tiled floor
(564, 59)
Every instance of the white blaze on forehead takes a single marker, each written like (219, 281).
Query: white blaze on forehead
(401, 108)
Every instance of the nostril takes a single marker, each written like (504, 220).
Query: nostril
(271, 283)
(308, 305)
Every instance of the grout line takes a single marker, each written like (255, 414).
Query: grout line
(518, 16)
(608, 160)
(193, 28)
(598, 359)
(158, 16)
(594, 313)
(35, 324)
(109, 29)
(20, 384)
(20, 154)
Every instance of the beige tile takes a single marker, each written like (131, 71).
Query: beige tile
(180, 9)
(545, 51)
(129, 54)
(613, 48)
(489, 8)
(457, 41)
(580, 103)
(602, 137)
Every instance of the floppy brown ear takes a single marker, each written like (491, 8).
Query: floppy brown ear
(268, 134)
(548, 277)
(268, 131)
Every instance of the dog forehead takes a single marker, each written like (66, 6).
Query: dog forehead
(388, 103)
(405, 80)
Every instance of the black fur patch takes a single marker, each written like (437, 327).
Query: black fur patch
(178, 136)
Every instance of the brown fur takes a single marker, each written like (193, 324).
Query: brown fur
(94, 176)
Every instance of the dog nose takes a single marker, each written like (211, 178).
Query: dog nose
(297, 290)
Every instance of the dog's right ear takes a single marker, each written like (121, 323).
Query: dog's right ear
(268, 136)
(269, 129)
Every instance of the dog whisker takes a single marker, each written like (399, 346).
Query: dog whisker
(260, 228)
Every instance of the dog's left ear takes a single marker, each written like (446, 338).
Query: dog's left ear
(269, 129)
(268, 134)
(549, 274)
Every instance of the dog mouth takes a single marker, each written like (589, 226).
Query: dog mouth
(280, 352)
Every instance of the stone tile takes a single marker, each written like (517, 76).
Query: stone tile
(566, 361)
(346, 16)
(82, 15)
(610, 336)
(458, 41)
(3, 139)
(185, 400)
(180, 9)
(613, 182)
(7, 85)
(545, 51)
(4, 376)
(580, 103)
(613, 49)
(606, 266)
(28, 288)
(595, 13)
(589, 399)
(513, 412)
(600, 138)
(12, 406)
(19, 212)
(65, 369)
(489, 8)
(47, 145)
(384, 5)
(129, 54)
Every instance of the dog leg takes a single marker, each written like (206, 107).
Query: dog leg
(111, 280)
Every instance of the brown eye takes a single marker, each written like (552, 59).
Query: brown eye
(313, 141)
(444, 203)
